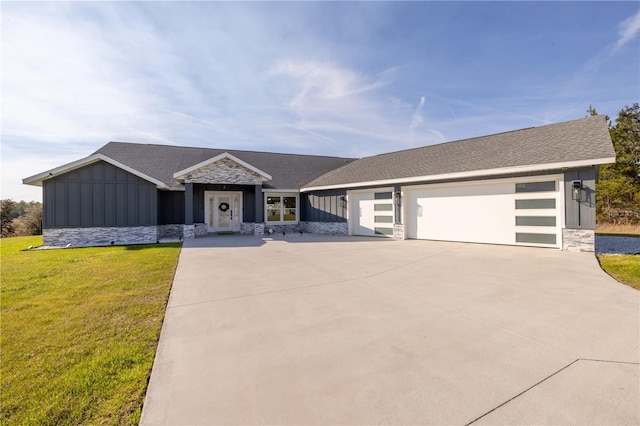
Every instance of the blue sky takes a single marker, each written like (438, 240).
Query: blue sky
(328, 78)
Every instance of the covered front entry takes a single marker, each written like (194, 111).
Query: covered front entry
(223, 211)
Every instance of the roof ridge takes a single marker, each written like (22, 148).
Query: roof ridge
(224, 150)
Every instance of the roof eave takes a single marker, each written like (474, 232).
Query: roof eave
(467, 174)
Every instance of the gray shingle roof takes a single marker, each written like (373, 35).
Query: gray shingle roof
(578, 140)
(289, 171)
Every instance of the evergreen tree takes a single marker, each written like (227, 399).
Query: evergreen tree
(618, 188)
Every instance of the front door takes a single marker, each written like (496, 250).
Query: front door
(223, 211)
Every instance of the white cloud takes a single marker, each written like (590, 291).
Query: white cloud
(416, 118)
(628, 29)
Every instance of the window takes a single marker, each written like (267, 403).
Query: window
(544, 203)
(281, 208)
(536, 186)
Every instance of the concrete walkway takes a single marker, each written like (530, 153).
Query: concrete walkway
(322, 330)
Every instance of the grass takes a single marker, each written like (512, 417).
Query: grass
(80, 329)
(624, 268)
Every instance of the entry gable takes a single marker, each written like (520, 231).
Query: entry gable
(223, 169)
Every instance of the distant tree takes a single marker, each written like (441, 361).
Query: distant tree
(21, 218)
(31, 222)
(618, 188)
(6, 220)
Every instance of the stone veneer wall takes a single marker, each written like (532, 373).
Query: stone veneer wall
(99, 236)
(195, 230)
(224, 171)
(398, 231)
(326, 228)
(578, 240)
(247, 228)
(170, 231)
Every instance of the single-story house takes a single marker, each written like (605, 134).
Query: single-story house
(532, 187)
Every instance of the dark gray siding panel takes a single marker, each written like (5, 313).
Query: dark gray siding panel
(121, 204)
(73, 204)
(98, 203)
(99, 195)
(170, 207)
(581, 215)
(249, 205)
(86, 203)
(323, 206)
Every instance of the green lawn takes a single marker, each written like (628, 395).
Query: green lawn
(625, 269)
(80, 329)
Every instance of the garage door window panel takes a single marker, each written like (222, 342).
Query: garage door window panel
(383, 196)
(383, 207)
(535, 238)
(384, 231)
(542, 203)
(548, 186)
(536, 221)
(383, 219)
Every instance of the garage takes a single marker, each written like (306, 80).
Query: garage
(372, 213)
(502, 211)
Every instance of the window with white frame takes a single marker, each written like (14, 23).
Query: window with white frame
(281, 208)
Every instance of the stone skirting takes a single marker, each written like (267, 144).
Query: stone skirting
(195, 230)
(99, 236)
(247, 228)
(279, 229)
(174, 232)
(326, 228)
(398, 231)
(578, 240)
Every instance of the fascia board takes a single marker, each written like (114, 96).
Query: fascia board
(181, 173)
(280, 190)
(469, 174)
(36, 180)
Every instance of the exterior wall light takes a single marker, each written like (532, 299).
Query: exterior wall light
(576, 190)
(343, 201)
(398, 199)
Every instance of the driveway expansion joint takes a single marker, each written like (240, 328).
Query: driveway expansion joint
(544, 380)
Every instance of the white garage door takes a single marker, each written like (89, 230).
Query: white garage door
(498, 212)
(372, 213)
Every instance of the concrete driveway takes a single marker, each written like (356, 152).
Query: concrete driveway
(336, 330)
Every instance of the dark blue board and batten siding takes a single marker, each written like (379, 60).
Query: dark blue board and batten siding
(99, 195)
(324, 206)
(581, 215)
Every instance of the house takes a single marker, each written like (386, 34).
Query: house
(533, 187)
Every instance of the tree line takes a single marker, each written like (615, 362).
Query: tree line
(618, 186)
(19, 218)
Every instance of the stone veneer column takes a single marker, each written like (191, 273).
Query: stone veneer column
(398, 231)
(579, 240)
